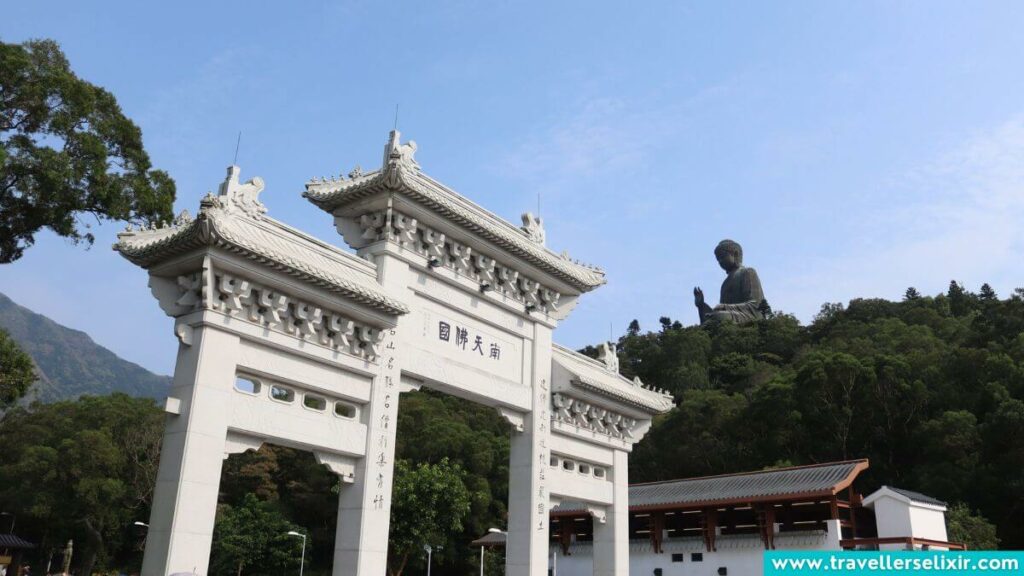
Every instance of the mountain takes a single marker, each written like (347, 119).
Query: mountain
(70, 364)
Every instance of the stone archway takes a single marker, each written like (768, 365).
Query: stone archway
(440, 293)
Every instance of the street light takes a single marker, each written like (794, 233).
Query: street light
(13, 518)
(430, 550)
(491, 531)
(302, 564)
(143, 524)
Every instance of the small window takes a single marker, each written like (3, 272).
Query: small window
(344, 410)
(677, 557)
(697, 557)
(584, 469)
(282, 394)
(599, 472)
(314, 402)
(246, 385)
(569, 465)
(555, 461)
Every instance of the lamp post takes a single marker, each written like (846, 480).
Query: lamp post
(430, 550)
(143, 524)
(13, 519)
(491, 531)
(302, 563)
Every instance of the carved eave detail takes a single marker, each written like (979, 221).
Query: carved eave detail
(235, 221)
(401, 174)
(265, 306)
(488, 272)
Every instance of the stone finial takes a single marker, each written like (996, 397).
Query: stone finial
(244, 196)
(401, 153)
(609, 355)
(183, 218)
(533, 226)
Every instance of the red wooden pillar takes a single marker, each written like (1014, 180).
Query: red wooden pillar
(853, 512)
(710, 517)
(657, 531)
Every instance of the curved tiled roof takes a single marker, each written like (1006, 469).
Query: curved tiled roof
(593, 376)
(819, 480)
(14, 542)
(330, 195)
(264, 240)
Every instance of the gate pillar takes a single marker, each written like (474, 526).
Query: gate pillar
(528, 494)
(611, 536)
(364, 507)
(185, 497)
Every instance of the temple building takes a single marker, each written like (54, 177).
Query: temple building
(721, 525)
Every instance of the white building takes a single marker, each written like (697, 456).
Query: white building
(721, 525)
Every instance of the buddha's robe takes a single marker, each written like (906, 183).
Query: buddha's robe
(741, 300)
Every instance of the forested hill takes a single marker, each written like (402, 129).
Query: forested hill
(68, 362)
(931, 389)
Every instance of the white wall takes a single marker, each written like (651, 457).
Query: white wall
(892, 519)
(740, 555)
(895, 518)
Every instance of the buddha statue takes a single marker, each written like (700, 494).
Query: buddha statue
(742, 299)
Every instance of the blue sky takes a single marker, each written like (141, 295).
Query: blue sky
(854, 149)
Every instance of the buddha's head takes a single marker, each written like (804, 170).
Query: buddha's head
(729, 254)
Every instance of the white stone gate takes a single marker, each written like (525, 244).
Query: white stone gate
(286, 339)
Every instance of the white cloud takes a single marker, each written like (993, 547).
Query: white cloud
(600, 136)
(957, 217)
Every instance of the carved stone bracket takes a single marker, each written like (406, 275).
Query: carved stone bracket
(443, 251)
(269, 307)
(516, 419)
(236, 443)
(343, 466)
(585, 415)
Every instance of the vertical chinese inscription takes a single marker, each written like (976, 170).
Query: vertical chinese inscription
(541, 412)
(385, 396)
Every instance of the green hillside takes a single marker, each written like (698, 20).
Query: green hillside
(70, 363)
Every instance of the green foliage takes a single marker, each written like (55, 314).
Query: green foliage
(66, 150)
(964, 525)
(83, 470)
(930, 389)
(252, 538)
(429, 502)
(302, 490)
(433, 427)
(16, 370)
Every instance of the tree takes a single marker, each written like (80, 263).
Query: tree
(16, 371)
(987, 293)
(959, 298)
(253, 539)
(634, 328)
(66, 150)
(966, 526)
(429, 501)
(911, 294)
(81, 469)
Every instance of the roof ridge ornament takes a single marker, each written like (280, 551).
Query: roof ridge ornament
(401, 153)
(241, 196)
(533, 227)
(608, 354)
